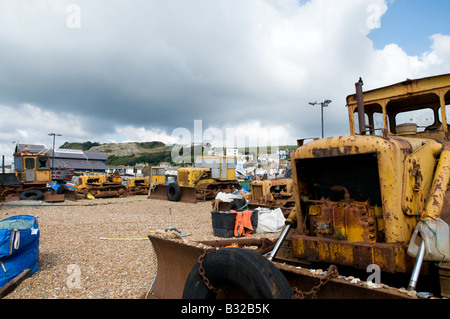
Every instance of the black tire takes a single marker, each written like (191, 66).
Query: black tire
(246, 269)
(31, 194)
(237, 204)
(173, 192)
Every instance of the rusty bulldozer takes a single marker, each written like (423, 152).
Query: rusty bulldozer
(373, 202)
(269, 193)
(97, 185)
(211, 175)
(30, 180)
(139, 185)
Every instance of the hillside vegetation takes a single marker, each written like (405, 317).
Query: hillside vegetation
(128, 154)
(151, 153)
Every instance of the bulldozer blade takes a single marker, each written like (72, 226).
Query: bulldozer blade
(52, 197)
(9, 179)
(188, 194)
(158, 192)
(73, 194)
(175, 261)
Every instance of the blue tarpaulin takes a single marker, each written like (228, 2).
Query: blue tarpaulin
(19, 246)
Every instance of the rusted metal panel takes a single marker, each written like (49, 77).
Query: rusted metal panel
(175, 261)
(337, 287)
(188, 194)
(406, 89)
(53, 198)
(390, 257)
(352, 221)
(392, 154)
(72, 194)
(158, 192)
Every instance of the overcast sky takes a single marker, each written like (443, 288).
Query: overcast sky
(144, 70)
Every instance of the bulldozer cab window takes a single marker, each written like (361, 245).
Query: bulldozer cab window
(29, 163)
(373, 119)
(158, 172)
(42, 163)
(18, 163)
(420, 112)
(424, 119)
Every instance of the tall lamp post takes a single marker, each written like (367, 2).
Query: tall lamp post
(322, 105)
(53, 159)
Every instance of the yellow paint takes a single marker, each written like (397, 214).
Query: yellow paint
(144, 181)
(187, 176)
(36, 168)
(158, 175)
(209, 171)
(89, 179)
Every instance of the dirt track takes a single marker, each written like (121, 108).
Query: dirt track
(74, 262)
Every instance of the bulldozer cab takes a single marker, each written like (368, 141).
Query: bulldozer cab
(32, 168)
(114, 177)
(158, 175)
(413, 108)
(221, 167)
(270, 190)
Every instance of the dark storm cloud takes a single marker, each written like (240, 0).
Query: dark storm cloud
(125, 64)
(162, 64)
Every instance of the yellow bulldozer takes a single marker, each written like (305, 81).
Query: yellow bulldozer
(97, 185)
(371, 212)
(139, 185)
(209, 176)
(273, 193)
(30, 180)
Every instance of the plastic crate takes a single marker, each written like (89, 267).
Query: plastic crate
(223, 223)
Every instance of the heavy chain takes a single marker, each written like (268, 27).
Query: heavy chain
(331, 272)
(201, 270)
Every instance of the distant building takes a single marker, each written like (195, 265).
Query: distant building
(232, 152)
(164, 164)
(79, 160)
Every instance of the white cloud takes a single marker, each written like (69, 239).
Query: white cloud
(30, 124)
(139, 134)
(137, 70)
(252, 134)
(397, 65)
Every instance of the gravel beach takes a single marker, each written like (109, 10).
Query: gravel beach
(82, 251)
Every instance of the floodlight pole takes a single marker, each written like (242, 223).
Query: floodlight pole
(322, 105)
(53, 158)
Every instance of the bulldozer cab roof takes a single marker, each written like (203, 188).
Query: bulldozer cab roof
(420, 101)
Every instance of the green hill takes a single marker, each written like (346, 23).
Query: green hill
(151, 153)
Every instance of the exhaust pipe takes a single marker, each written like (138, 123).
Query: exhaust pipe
(415, 274)
(360, 105)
